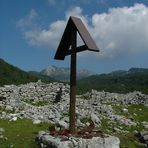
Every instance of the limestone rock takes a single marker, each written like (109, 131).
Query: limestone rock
(61, 124)
(47, 140)
(9, 108)
(13, 119)
(2, 130)
(36, 121)
(95, 118)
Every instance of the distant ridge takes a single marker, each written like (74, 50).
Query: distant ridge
(117, 81)
(137, 70)
(10, 74)
(120, 81)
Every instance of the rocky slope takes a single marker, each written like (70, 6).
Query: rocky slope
(36, 101)
(25, 101)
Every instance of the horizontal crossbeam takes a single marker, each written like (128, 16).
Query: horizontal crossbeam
(79, 49)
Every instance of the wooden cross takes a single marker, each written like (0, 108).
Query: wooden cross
(68, 46)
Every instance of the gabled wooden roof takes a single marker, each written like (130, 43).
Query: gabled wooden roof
(65, 43)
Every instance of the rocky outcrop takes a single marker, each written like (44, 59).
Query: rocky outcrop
(46, 140)
(63, 74)
(38, 102)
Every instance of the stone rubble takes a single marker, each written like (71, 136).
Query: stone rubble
(36, 101)
(20, 101)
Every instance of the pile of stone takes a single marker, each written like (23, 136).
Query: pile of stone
(135, 97)
(32, 92)
(19, 102)
(23, 101)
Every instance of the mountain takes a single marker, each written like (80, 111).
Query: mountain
(63, 74)
(10, 74)
(138, 70)
(117, 81)
(41, 76)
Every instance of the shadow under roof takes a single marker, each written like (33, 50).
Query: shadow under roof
(65, 43)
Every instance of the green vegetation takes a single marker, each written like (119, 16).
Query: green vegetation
(40, 103)
(21, 133)
(85, 120)
(121, 82)
(128, 140)
(138, 112)
(13, 75)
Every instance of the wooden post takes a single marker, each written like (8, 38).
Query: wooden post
(69, 39)
(72, 113)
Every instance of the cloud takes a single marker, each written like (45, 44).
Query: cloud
(52, 2)
(120, 31)
(77, 12)
(50, 37)
(29, 21)
(46, 37)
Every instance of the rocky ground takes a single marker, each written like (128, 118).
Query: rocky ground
(39, 102)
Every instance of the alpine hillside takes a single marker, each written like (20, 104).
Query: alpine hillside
(10, 74)
(117, 81)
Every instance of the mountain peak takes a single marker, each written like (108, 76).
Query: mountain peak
(63, 73)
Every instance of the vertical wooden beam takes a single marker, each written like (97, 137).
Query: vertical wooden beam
(72, 113)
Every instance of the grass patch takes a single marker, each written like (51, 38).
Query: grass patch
(129, 141)
(140, 110)
(39, 103)
(85, 120)
(105, 125)
(66, 114)
(139, 114)
(21, 134)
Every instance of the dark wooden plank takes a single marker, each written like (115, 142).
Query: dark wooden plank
(85, 35)
(77, 25)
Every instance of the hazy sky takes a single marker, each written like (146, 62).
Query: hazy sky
(30, 31)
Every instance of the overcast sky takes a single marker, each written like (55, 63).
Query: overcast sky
(30, 31)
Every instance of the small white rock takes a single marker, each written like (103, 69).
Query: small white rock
(36, 121)
(125, 110)
(13, 119)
